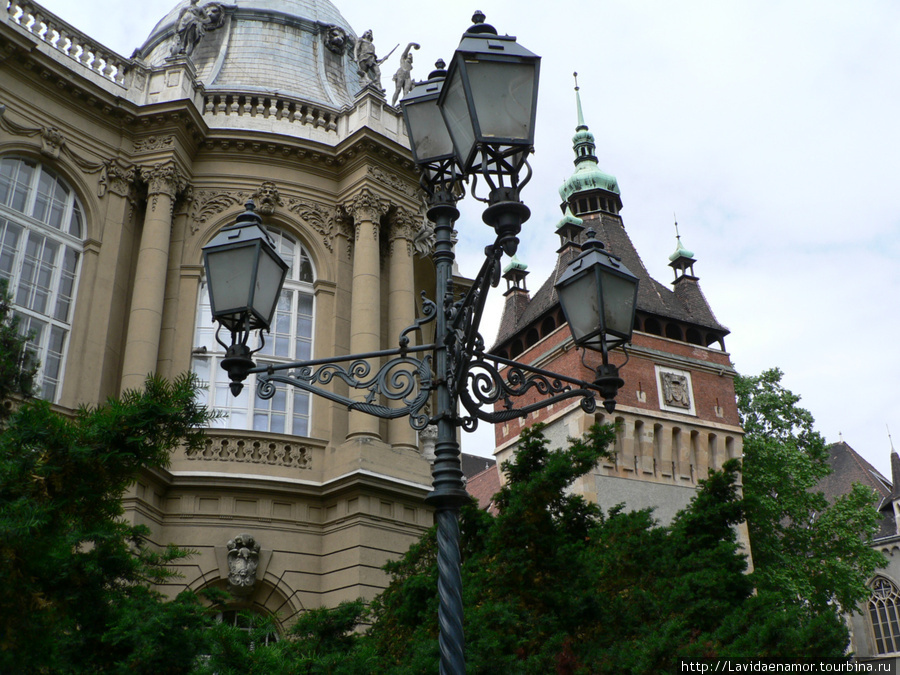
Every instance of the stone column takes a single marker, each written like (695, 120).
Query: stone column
(365, 302)
(164, 181)
(401, 307)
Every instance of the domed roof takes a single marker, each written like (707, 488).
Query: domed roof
(299, 48)
(587, 175)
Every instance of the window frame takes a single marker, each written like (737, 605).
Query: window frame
(299, 287)
(33, 229)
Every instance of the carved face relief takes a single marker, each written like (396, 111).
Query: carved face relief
(335, 39)
(267, 198)
(243, 561)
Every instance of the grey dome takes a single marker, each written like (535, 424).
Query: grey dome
(267, 46)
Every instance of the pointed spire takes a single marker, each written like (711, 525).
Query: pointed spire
(682, 260)
(588, 176)
(680, 250)
(581, 125)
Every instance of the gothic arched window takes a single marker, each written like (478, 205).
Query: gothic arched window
(290, 339)
(884, 615)
(41, 230)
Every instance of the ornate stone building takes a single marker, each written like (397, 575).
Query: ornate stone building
(676, 414)
(114, 172)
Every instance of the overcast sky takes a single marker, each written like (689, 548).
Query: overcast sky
(772, 130)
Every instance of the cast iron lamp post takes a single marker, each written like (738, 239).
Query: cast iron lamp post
(475, 119)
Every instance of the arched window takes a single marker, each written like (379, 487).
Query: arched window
(290, 339)
(884, 616)
(41, 230)
(260, 629)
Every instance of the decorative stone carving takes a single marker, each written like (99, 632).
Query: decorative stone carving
(403, 82)
(163, 179)
(364, 206)
(318, 217)
(267, 198)
(425, 238)
(404, 228)
(193, 23)
(336, 39)
(207, 203)
(237, 449)
(51, 142)
(116, 179)
(154, 143)
(676, 389)
(394, 181)
(243, 561)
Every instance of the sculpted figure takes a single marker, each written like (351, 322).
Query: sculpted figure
(368, 65)
(403, 83)
(193, 23)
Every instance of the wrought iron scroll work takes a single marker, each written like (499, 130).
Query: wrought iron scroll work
(481, 380)
(401, 378)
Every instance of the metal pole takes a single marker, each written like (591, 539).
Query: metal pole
(448, 493)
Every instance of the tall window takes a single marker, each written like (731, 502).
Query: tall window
(884, 616)
(41, 230)
(290, 339)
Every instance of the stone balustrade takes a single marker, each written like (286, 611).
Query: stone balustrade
(269, 107)
(68, 40)
(248, 447)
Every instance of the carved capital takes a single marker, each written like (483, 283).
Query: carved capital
(365, 206)
(163, 179)
(404, 226)
(116, 179)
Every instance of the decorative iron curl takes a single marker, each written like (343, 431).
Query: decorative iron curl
(487, 385)
(403, 378)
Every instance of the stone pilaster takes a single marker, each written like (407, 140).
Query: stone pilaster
(401, 305)
(164, 182)
(365, 302)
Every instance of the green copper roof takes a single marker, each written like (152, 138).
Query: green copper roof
(515, 264)
(681, 251)
(588, 175)
(569, 218)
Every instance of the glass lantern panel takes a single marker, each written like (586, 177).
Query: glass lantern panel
(455, 110)
(269, 278)
(230, 274)
(503, 96)
(429, 134)
(618, 303)
(580, 301)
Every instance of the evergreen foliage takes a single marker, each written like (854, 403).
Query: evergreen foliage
(73, 575)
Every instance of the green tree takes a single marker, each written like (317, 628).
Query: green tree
(805, 551)
(17, 370)
(74, 577)
(554, 585)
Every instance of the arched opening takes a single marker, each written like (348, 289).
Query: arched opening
(531, 337)
(548, 325)
(673, 331)
(694, 337)
(652, 326)
(290, 339)
(41, 233)
(884, 616)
